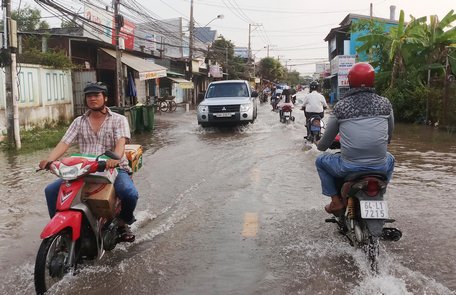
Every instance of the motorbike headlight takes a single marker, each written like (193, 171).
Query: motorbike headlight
(245, 107)
(203, 109)
(72, 172)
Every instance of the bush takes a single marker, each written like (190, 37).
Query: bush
(56, 59)
(39, 138)
(409, 101)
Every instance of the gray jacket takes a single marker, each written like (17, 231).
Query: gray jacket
(365, 122)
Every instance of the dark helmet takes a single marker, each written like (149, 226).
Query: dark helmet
(361, 74)
(313, 85)
(95, 87)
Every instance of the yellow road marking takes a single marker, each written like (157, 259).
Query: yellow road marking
(255, 175)
(250, 228)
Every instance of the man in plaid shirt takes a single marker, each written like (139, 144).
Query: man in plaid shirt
(97, 131)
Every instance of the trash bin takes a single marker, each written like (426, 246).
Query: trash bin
(137, 117)
(148, 117)
(131, 116)
(131, 119)
(119, 110)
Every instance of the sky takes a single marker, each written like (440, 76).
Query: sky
(293, 30)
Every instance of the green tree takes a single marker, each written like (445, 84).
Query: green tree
(293, 78)
(391, 50)
(435, 40)
(29, 19)
(271, 69)
(222, 52)
(69, 24)
(411, 59)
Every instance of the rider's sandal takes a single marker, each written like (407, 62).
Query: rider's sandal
(125, 234)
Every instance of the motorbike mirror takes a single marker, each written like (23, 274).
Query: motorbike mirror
(254, 94)
(112, 155)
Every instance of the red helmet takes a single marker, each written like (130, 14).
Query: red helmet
(361, 74)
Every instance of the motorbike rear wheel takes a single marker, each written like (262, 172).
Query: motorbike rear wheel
(373, 251)
(51, 263)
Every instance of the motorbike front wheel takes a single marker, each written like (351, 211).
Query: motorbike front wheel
(52, 261)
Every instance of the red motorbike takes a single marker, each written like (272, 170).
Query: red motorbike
(285, 110)
(85, 224)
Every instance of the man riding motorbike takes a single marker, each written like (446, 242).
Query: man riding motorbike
(98, 130)
(365, 123)
(313, 104)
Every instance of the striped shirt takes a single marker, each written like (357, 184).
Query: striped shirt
(114, 127)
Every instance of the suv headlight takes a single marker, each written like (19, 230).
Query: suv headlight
(245, 107)
(203, 109)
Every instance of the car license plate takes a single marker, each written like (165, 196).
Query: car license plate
(286, 113)
(374, 209)
(223, 114)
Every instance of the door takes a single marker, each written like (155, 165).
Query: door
(80, 79)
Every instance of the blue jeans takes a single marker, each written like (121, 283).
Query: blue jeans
(331, 167)
(123, 185)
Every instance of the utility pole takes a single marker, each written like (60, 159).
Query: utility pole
(446, 87)
(119, 21)
(249, 53)
(226, 62)
(190, 52)
(11, 99)
(248, 50)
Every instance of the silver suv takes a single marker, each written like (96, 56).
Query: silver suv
(228, 102)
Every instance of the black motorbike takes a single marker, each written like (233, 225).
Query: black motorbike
(314, 128)
(365, 214)
(275, 98)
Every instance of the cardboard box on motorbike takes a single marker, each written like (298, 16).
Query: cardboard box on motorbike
(101, 198)
(99, 192)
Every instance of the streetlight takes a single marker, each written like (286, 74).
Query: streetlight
(220, 16)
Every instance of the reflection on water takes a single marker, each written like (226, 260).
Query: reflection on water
(424, 155)
(423, 139)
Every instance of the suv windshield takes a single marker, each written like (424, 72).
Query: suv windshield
(227, 90)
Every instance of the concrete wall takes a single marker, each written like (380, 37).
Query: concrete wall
(45, 95)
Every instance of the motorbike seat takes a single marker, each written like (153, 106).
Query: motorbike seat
(357, 175)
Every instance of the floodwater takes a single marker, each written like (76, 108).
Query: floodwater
(240, 211)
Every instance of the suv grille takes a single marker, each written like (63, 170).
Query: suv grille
(223, 109)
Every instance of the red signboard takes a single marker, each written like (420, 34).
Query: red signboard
(127, 32)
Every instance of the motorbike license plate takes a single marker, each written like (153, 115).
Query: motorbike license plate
(374, 209)
(286, 113)
(223, 114)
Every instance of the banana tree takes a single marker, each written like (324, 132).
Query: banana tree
(405, 42)
(436, 39)
(397, 47)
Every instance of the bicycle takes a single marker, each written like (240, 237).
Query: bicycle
(165, 104)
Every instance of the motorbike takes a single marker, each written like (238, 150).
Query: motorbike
(365, 213)
(314, 128)
(263, 97)
(85, 224)
(275, 98)
(285, 110)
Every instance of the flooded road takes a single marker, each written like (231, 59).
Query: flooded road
(240, 211)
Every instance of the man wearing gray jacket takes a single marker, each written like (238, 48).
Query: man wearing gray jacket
(365, 123)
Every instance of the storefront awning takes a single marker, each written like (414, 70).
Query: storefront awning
(175, 73)
(184, 84)
(146, 69)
